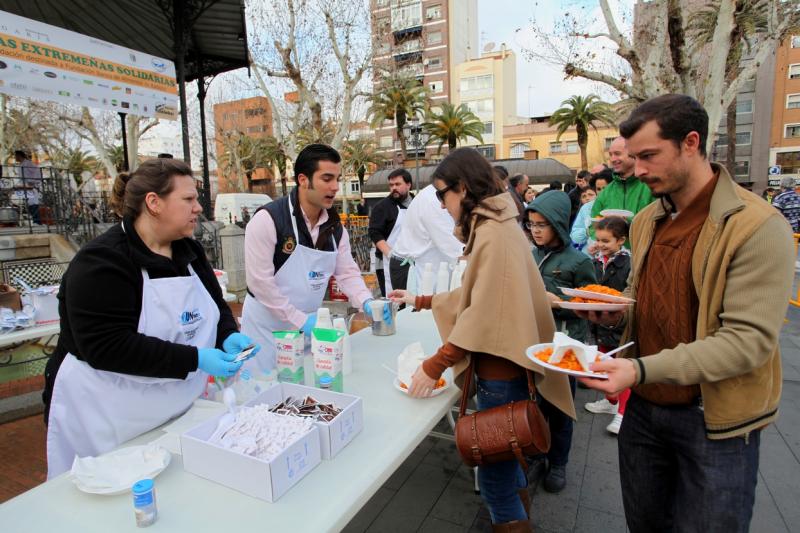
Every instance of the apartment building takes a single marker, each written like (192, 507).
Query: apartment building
(488, 87)
(536, 139)
(784, 146)
(251, 117)
(424, 39)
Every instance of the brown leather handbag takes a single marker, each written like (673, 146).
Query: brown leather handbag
(502, 433)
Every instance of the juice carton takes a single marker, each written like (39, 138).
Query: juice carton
(290, 352)
(327, 347)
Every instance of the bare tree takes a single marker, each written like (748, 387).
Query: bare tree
(320, 51)
(655, 56)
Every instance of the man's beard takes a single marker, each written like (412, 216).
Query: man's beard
(398, 196)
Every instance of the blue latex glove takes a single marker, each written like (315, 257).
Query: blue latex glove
(236, 342)
(217, 363)
(387, 311)
(311, 321)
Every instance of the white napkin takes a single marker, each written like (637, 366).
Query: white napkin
(408, 361)
(121, 468)
(584, 353)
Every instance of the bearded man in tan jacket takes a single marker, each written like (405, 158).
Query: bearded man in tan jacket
(712, 272)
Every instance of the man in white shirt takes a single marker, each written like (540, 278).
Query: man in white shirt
(31, 183)
(427, 237)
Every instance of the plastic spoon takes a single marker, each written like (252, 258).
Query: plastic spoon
(608, 355)
(229, 418)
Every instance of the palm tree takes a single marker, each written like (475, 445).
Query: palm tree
(582, 113)
(309, 134)
(751, 17)
(359, 154)
(75, 161)
(397, 98)
(117, 156)
(273, 151)
(453, 124)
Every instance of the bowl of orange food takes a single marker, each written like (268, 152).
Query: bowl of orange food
(542, 354)
(596, 294)
(440, 386)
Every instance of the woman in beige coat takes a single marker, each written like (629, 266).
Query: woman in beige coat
(500, 309)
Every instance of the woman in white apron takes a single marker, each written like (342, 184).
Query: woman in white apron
(141, 318)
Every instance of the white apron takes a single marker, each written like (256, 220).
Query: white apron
(94, 411)
(303, 279)
(391, 240)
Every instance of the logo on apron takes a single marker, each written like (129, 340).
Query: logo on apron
(190, 317)
(289, 245)
(316, 279)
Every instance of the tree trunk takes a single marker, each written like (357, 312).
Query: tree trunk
(584, 161)
(730, 131)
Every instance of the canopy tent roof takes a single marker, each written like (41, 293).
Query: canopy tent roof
(540, 171)
(218, 36)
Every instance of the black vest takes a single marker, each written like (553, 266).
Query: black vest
(286, 244)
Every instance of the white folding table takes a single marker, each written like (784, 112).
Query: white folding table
(325, 500)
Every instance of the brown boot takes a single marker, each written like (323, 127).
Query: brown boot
(517, 526)
(525, 498)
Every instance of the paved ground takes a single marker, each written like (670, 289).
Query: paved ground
(432, 490)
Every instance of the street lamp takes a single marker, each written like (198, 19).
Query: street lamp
(412, 131)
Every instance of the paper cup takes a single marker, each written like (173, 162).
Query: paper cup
(376, 307)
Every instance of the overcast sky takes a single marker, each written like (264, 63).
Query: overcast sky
(540, 87)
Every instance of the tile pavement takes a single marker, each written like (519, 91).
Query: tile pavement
(432, 491)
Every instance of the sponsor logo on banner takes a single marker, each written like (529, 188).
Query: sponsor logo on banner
(158, 64)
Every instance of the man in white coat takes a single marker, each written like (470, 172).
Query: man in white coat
(427, 237)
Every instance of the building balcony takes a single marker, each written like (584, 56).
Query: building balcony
(415, 70)
(407, 47)
(406, 26)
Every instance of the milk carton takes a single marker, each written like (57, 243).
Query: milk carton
(290, 352)
(327, 348)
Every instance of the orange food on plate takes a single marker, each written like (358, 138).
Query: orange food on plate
(439, 384)
(601, 289)
(568, 362)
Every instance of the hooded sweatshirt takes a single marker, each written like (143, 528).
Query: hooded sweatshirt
(562, 265)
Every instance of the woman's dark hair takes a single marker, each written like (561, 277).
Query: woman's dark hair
(677, 115)
(153, 175)
(466, 169)
(618, 226)
(308, 159)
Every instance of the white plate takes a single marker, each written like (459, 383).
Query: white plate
(132, 460)
(435, 392)
(597, 296)
(617, 213)
(575, 306)
(532, 350)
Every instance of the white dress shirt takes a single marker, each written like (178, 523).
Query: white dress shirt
(427, 226)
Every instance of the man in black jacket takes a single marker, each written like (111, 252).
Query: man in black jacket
(384, 228)
(581, 184)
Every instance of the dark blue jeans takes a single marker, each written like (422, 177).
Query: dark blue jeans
(560, 429)
(499, 482)
(676, 479)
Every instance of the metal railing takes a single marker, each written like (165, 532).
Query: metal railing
(47, 199)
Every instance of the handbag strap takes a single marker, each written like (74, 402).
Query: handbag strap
(462, 409)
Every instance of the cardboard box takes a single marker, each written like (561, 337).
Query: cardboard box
(266, 480)
(9, 297)
(337, 433)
